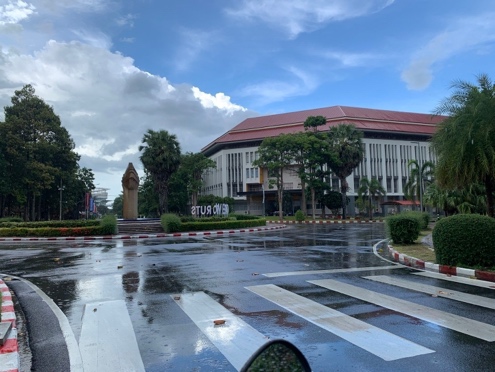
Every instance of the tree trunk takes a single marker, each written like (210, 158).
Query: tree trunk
(280, 196)
(303, 198)
(343, 188)
(313, 203)
(489, 196)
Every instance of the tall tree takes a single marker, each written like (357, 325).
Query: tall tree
(419, 178)
(313, 122)
(346, 145)
(39, 152)
(276, 155)
(192, 167)
(372, 189)
(465, 141)
(161, 158)
(309, 153)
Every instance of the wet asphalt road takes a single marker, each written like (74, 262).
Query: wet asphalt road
(145, 273)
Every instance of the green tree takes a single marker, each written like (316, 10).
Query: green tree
(372, 190)
(161, 158)
(313, 122)
(419, 178)
(309, 154)
(347, 148)
(148, 198)
(465, 141)
(192, 167)
(37, 150)
(276, 155)
(118, 205)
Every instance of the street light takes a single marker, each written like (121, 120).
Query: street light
(420, 176)
(60, 188)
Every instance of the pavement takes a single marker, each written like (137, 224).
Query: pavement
(55, 348)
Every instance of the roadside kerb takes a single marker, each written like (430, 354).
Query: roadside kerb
(140, 236)
(9, 351)
(442, 269)
(326, 221)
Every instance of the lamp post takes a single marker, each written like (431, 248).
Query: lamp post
(420, 176)
(60, 188)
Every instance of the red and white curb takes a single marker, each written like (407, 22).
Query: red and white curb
(326, 221)
(442, 269)
(9, 352)
(141, 236)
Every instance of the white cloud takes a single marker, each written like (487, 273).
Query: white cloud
(193, 43)
(346, 59)
(299, 16)
(126, 20)
(299, 83)
(463, 36)
(107, 104)
(15, 11)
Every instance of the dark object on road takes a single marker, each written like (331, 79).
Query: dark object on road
(277, 355)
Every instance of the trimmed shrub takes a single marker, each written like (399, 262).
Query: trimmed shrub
(54, 223)
(403, 228)
(170, 222)
(465, 239)
(108, 226)
(422, 217)
(300, 215)
(244, 217)
(222, 225)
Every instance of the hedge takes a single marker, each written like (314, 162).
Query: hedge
(197, 226)
(106, 226)
(170, 222)
(465, 239)
(53, 223)
(403, 228)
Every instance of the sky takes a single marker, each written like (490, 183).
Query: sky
(113, 69)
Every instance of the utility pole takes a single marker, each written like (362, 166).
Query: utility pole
(60, 188)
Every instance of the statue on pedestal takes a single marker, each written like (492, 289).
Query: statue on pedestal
(130, 184)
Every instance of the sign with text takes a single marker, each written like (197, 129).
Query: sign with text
(210, 210)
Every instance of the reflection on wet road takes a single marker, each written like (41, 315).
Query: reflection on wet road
(146, 274)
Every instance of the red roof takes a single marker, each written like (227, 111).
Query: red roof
(401, 202)
(258, 128)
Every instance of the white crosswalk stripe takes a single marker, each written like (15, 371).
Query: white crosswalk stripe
(457, 323)
(458, 279)
(375, 340)
(489, 303)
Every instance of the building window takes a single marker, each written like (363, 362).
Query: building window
(247, 157)
(247, 172)
(252, 172)
(256, 172)
(251, 157)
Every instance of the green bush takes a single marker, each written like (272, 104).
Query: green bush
(300, 215)
(108, 225)
(170, 222)
(53, 223)
(422, 217)
(244, 217)
(465, 239)
(221, 225)
(403, 228)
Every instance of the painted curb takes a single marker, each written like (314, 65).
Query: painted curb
(327, 221)
(442, 269)
(9, 352)
(140, 236)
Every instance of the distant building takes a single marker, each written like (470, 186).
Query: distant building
(391, 139)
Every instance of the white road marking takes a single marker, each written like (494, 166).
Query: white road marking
(331, 271)
(435, 291)
(458, 279)
(457, 323)
(372, 339)
(107, 341)
(235, 339)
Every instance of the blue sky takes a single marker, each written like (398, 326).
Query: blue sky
(112, 69)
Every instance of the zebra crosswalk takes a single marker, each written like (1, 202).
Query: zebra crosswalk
(368, 337)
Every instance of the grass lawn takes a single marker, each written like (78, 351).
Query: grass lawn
(417, 249)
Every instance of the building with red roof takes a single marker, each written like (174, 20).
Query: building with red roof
(390, 139)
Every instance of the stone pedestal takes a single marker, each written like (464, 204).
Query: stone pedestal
(130, 184)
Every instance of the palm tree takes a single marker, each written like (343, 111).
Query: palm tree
(372, 189)
(418, 176)
(346, 144)
(161, 158)
(465, 141)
